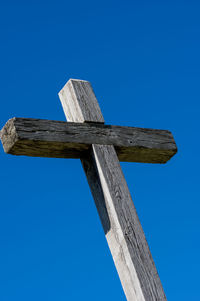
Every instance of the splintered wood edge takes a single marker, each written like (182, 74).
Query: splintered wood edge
(8, 135)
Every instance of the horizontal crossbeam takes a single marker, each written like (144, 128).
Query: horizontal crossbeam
(57, 139)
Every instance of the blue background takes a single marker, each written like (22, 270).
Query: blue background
(143, 60)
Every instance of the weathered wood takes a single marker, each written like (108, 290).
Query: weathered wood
(122, 227)
(123, 231)
(47, 138)
(81, 96)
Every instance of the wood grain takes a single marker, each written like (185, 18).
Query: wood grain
(122, 227)
(76, 96)
(57, 139)
(123, 231)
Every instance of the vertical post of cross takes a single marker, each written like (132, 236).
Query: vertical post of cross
(121, 225)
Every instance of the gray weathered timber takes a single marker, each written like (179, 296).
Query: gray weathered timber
(123, 231)
(81, 96)
(121, 225)
(48, 138)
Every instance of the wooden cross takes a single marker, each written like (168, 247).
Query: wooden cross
(100, 147)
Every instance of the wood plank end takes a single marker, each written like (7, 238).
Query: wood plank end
(9, 135)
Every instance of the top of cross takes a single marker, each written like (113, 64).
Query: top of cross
(79, 102)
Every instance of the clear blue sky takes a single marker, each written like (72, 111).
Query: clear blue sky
(143, 60)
